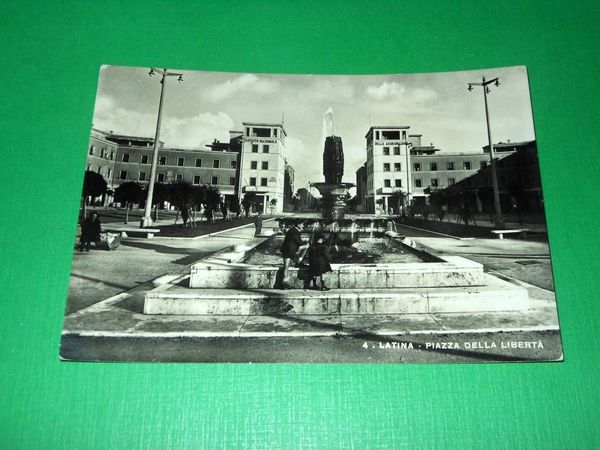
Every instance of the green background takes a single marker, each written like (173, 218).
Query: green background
(51, 52)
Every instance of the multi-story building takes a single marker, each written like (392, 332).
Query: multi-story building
(261, 148)
(518, 175)
(263, 163)
(101, 156)
(387, 164)
(398, 161)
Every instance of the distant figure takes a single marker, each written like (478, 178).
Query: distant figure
(257, 224)
(318, 261)
(290, 246)
(185, 215)
(224, 210)
(90, 231)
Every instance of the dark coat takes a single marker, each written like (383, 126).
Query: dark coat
(318, 260)
(291, 243)
(90, 230)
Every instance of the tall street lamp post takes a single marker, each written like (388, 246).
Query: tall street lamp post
(147, 220)
(498, 220)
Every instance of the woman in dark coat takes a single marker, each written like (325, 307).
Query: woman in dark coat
(318, 261)
(90, 231)
(290, 246)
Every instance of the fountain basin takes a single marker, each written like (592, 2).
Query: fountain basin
(228, 269)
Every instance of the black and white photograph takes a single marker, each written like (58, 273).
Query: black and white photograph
(271, 218)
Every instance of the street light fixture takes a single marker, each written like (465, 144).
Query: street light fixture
(147, 220)
(499, 220)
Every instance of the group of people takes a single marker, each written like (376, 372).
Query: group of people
(318, 257)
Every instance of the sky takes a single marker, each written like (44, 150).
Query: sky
(207, 105)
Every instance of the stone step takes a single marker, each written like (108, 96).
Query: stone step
(494, 295)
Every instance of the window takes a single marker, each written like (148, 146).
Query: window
(233, 164)
(397, 167)
(162, 160)
(196, 179)
(386, 151)
(179, 177)
(467, 165)
(264, 165)
(433, 166)
(126, 157)
(142, 176)
(482, 164)
(252, 181)
(450, 165)
(253, 165)
(387, 183)
(144, 159)
(216, 163)
(451, 181)
(180, 162)
(434, 182)
(123, 175)
(396, 150)
(160, 178)
(261, 132)
(389, 134)
(109, 172)
(404, 135)
(214, 180)
(231, 181)
(198, 162)
(417, 167)
(91, 150)
(254, 148)
(274, 132)
(100, 170)
(418, 182)
(377, 135)
(265, 148)
(263, 181)
(398, 183)
(386, 167)
(89, 167)
(247, 131)
(102, 153)
(112, 154)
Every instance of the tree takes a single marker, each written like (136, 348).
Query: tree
(438, 201)
(296, 200)
(160, 195)
(94, 185)
(248, 201)
(398, 198)
(181, 194)
(129, 193)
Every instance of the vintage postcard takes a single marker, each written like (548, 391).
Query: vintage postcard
(239, 217)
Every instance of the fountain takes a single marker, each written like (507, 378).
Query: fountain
(334, 192)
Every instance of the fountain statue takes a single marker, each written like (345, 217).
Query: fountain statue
(334, 192)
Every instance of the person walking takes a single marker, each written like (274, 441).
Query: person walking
(318, 261)
(257, 224)
(90, 231)
(185, 215)
(290, 246)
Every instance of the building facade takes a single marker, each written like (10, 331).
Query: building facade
(518, 175)
(387, 164)
(252, 161)
(263, 163)
(397, 160)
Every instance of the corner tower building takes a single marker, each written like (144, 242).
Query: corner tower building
(263, 164)
(388, 164)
